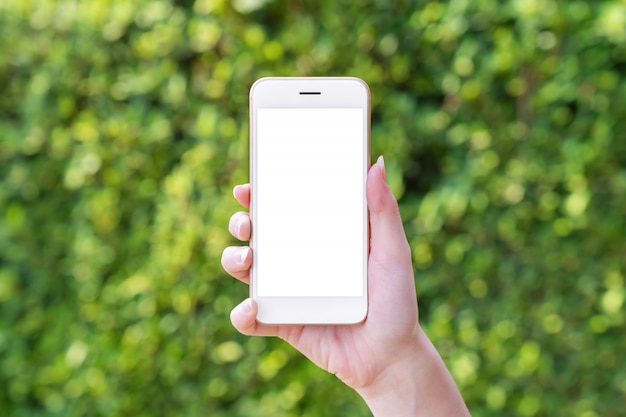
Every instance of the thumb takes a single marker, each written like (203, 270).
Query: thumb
(387, 239)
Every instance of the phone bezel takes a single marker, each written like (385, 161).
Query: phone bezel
(285, 92)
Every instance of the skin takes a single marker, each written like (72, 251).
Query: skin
(387, 359)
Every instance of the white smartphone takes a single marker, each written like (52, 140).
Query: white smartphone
(309, 157)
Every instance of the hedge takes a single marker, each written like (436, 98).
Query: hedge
(123, 127)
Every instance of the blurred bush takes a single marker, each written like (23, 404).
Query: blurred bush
(123, 127)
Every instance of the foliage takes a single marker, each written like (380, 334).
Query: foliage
(123, 127)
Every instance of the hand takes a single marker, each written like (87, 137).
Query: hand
(356, 354)
(387, 359)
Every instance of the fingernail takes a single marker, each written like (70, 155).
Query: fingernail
(243, 255)
(235, 191)
(239, 226)
(381, 162)
(245, 307)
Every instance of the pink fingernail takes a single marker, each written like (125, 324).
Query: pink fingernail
(239, 226)
(381, 162)
(244, 255)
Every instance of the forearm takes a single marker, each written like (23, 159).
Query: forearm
(417, 385)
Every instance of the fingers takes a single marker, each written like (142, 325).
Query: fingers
(240, 226)
(236, 260)
(388, 241)
(242, 194)
(243, 318)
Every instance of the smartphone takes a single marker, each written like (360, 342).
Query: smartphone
(309, 157)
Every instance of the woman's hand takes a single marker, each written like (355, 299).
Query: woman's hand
(389, 343)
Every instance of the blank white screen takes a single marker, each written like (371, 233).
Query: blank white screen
(310, 197)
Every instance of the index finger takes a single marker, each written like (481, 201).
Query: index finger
(242, 194)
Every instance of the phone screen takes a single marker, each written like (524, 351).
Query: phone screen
(310, 202)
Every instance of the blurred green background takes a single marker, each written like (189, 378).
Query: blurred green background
(123, 127)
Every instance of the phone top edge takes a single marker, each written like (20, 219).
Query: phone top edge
(297, 78)
(303, 80)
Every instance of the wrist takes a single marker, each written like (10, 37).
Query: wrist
(416, 384)
(395, 390)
